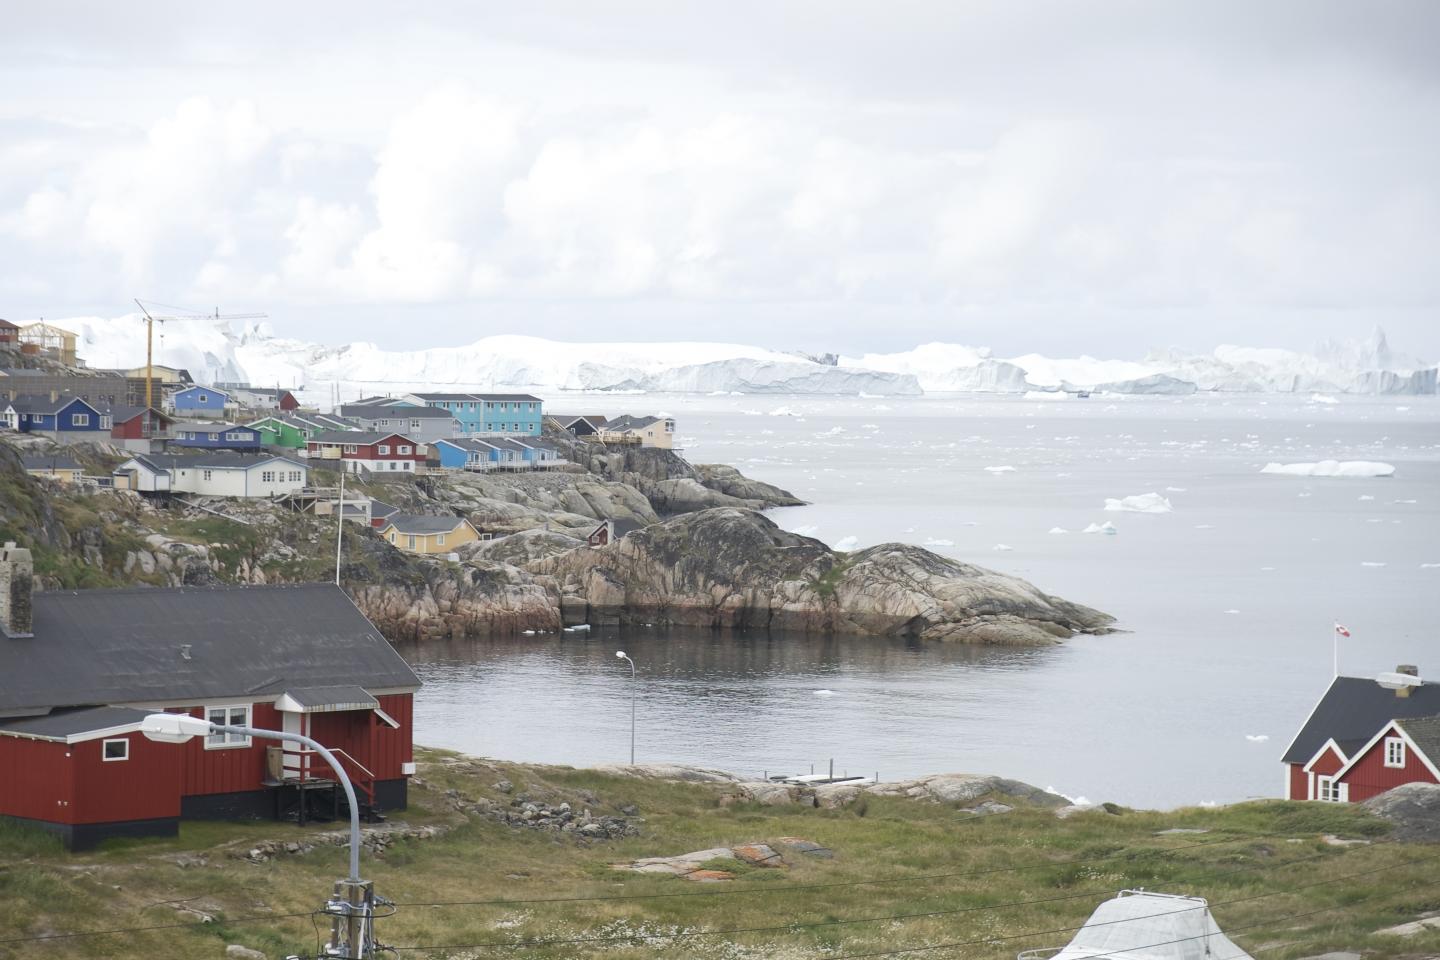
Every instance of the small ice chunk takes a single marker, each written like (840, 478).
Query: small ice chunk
(1140, 503)
(1107, 528)
(1430, 566)
(1174, 489)
(1058, 530)
(1365, 496)
(1204, 526)
(1372, 563)
(1321, 398)
(1232, 610)
(806, 530)
(938, 542)
(1257, 737)
(826, 693)
(1407, 501)
(1002, 547)
(1332, 468)
(845, 543)
(1001, 469)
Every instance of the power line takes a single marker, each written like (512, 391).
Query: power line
(155, 926)
(799, 887)
(684, 935)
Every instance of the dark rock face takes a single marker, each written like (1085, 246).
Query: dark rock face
(734, 568)
(1414, 809)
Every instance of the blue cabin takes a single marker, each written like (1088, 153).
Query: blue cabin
(214, 436)
(64, 418)
(200, 401)
(489, 414)
(493, 453)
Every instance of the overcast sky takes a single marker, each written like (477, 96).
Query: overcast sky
(1057, 177)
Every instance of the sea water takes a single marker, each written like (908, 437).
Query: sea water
(1226, 601)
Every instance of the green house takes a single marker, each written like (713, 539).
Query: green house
(293, 430)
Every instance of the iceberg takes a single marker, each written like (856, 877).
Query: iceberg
(1140, 503)
(1332, 468)
(1106, 528)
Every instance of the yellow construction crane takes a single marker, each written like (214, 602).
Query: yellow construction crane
(150, 322)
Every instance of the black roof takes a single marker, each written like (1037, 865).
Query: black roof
(121, 412)
(69, 723)
(627, 422)
(128, 646)
(1353, 710)
(379, 509)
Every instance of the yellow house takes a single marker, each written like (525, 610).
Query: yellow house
(418, 533)
(646, 431)
(52, 467)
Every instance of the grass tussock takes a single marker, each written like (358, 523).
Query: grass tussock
(1002, 881)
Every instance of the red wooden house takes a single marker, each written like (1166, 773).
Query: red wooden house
(79, 671)
(138, 423)
(375, 452)
(1365, 737)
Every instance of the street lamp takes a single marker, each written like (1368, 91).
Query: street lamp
(621, 654)
(352, 931)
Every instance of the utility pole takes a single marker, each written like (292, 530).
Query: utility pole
(149, 356)
(339, 522)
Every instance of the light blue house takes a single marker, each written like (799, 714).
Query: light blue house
(496, 453)
(199, 402)
(488, 414)
(65, 419)
(214, 436)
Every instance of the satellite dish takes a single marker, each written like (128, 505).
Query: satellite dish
(1397, 681)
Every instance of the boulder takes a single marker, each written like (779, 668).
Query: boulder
(1413, 808)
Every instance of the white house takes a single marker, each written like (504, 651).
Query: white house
(212, 475)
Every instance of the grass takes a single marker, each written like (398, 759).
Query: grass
(1260, 864)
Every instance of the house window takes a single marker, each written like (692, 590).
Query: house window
(414, 424)
(267, 476)
(107, 423)
(383, 450)
(232, 715)
(439, 539)
(384, 423)
(392, 536)
(118, 749)
(206, 474)
(201, 398)
(1394, 752)
(392, 464)
(411, 540)
(404, 463)
(402, 450)
(1328, 790)
(294, 476)
(79, 419)
(237, 435)
(351, 448)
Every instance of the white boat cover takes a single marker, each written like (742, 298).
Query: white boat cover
(1138, 925)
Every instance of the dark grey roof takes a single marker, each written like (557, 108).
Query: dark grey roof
(225, 391)
(210, 461)
(35, 403)
(47, 461)
(1353, 710)
(627, 422)
(207, 426)
(379, 510)
(423, 524)
(1425, 731)
(466, 443)
(68, 723)
(125, 646)
(120, 412)
(357, 436)
(453, 397)
(404, 413)
(331, 696)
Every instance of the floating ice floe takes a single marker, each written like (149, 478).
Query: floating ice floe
(1002, 547)
(1365, 496)
(1430, 566)
(1058, 530)
(1140, 503)
(940, 542)
(1175, 489)
(1257, 737)
(826, 693)
(845, 544)
(1107, 528)
(1332, 468)
(1322, 398)
(1002, 469)
(1372, 563)
(1046, 395)
(1407, 501)
(1232, 610)
(806, 530)
(578, 628)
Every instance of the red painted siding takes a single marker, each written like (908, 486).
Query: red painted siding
(371, 451)
(288, 401)
(1370, 777)
(134, 428)
(144, 787)
(368, 739)
(39, 780)
(229, 770)
(1299, 783)
(1328, 763)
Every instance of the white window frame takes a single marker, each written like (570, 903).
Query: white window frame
(414, 424)
(1395, 752)
(383, 450)
(410, 539)
(402, 450)
(228, 741)
(439, 539)
(105, 750)
(79, 419)
(392, 536)
(201, 398)
(1327, 790)
(206, 474)
(350, 448)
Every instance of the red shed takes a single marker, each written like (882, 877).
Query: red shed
(1366, 736)
(138, 423)
(80, 669)
(375, 452)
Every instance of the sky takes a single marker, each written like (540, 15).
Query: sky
(1061, 177)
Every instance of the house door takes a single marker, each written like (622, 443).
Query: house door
(292, 723)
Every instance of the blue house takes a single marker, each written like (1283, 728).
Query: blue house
(65, 419)
(198, 401)
(493, 453)
(214, 436)
(488, 414)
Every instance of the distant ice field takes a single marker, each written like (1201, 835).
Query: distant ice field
(1226, 598)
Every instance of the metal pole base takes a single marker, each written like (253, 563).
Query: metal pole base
(352, 916)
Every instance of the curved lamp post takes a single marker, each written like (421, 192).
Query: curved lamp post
(353, 903)
(621, 655)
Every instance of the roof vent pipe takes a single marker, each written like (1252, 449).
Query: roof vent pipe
(17, 583)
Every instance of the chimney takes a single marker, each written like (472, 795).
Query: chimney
(1408, 670)
(17, 576)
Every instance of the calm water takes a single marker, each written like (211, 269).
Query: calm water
(1227, 601)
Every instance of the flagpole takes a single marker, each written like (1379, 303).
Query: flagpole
(1335, 645)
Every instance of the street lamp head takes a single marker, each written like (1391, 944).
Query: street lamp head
(173, 727)
(620, 654)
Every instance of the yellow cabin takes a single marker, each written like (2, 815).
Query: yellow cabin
(419, 533)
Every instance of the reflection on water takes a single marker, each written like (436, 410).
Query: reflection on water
(744, 702)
